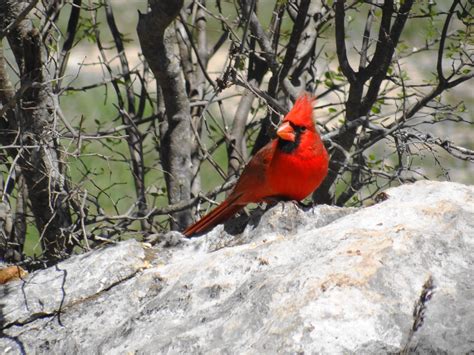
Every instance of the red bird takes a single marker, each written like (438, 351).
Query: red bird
(290, 167)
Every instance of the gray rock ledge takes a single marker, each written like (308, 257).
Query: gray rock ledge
(393, 277)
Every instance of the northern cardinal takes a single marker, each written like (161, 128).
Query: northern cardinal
(289, 167)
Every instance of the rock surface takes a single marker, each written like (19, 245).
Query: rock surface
(393, 277)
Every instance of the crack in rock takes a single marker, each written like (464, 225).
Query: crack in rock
(57, 312)
(419, 310)
(50, 292)
(420, 306)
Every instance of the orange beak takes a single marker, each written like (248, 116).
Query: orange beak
(286, 132)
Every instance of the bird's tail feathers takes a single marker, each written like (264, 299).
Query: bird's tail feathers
(218, 215)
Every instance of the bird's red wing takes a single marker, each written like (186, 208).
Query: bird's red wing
(252, 185)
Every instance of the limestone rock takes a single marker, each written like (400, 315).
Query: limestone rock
(392, 277)
(47, 292)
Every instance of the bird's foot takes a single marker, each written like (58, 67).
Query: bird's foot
(169, 239)
(304, 206)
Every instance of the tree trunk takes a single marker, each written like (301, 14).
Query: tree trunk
(32, 127)
(158, 40)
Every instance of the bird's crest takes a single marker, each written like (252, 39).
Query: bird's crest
(302, 112)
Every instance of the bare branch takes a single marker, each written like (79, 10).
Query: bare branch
(134, 138)
(341, 42)
(295, 38)
(366, 40)
(68, 43)
(439, 66)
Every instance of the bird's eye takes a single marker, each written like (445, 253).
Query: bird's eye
(302, 129)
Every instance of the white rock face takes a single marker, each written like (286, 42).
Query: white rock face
(393, 277)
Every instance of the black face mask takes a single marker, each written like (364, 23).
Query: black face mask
(289, 146)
